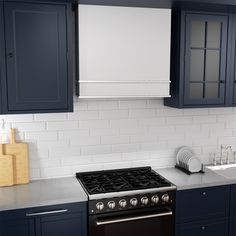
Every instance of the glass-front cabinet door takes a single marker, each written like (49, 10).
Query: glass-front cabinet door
(205, 59)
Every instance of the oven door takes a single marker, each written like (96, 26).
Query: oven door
(159, 222)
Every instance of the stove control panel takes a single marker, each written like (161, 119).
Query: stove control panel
(131, 202)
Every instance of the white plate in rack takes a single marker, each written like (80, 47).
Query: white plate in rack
(194, 164)
(183, 154)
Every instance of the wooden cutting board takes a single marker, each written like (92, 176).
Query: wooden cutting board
(6, 169)
(20, 152)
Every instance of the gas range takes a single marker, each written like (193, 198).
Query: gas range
(124, 189)
(129, 202)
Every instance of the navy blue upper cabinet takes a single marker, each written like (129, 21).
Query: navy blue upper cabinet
(38, 74)
(200, 74)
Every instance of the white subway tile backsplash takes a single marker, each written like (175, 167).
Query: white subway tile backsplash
(140, 138)
(123, 123)
(85, 141)
(111, 114)
(73, 134)
(51, 117)
(62, 125)
(134, 130)
(104, 132)
(29, 126)
(172, 112)
(83, 115)
(159, 121)
(45, 135)
(204, 119)
(96, 150)
(130, 104)
(118, 133)
(136, 113)
(180, 120)
(125, 148)
(64, 152)
(115, 139)
(94, 124)
(196, 111)
(103, 105)
(18, 118)
(153, 146)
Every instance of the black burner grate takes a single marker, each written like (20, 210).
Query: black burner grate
(121, 180)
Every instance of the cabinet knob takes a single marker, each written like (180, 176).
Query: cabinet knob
(203, 227)
(222, 81)
(204, 193)
(10, 54)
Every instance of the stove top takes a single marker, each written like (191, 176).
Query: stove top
(121, 180)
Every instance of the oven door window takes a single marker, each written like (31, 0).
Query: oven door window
(145, 224)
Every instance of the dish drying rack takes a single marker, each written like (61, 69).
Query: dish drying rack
(186, 171)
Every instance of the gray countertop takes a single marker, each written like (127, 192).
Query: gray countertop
(184, 181)
(68, 190)
(42, 193)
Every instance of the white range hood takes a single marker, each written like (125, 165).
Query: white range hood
(124, 52)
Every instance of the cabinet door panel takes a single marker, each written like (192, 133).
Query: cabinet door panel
(204, 228)
(62, 225)
(205, 59)
(15, 222)
(203, 203)
(36, 45)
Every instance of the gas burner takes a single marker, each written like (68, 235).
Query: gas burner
(121, 180)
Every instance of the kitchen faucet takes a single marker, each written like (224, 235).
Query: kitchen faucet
(225, 148)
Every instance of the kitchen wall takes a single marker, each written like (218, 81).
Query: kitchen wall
(118, 133)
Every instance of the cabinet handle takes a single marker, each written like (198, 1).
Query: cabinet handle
(46, 213)
(222, 81)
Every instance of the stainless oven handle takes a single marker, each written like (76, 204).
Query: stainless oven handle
(106, 222)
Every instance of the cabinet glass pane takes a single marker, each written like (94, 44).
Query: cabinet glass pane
(213, 34)
(211, 90)
(212, 65)
(197, 65)
(196, 91)
(198, 34)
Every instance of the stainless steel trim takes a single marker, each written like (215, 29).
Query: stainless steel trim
(106, 222)
(46, 213)
(126, 193)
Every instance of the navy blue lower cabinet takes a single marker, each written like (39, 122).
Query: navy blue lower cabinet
(203, 228)
(38, 65)
(59, 220)
(203, 211)
(233, 211)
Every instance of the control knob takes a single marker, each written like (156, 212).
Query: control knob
(155, 199)
(165, 198)
(133, 201)
(122, 203)
(100, 206)
(144, 200)
(111, 204)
